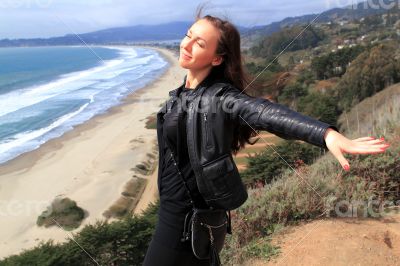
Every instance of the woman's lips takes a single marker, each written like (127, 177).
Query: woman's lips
(186, 57)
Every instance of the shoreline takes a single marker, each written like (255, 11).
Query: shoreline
(21, 162)
(89, 164)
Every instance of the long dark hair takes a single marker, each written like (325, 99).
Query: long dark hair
(231, 69)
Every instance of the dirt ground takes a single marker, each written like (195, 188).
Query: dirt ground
(339, 241)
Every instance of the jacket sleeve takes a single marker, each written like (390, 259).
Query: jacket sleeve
(262, 114)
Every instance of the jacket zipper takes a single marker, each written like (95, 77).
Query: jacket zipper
(207, 139)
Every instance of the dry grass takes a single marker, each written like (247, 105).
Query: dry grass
(131, 195)
(374, 115)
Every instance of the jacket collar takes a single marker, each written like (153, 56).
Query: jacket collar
(206, 82)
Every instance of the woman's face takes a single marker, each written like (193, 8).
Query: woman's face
(198, 47)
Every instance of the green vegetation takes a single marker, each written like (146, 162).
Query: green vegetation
(291, 93)
(269, 65)
(261, 247)
(276, 42)
(320, 106)
(123, 242)
(63, 212)
(299, 96)
(335, 64)
(151, 122)
(369, 73)
(264, 166)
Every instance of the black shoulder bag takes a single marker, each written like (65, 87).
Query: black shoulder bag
(206, 230)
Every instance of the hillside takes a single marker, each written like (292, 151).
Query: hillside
(358, 11)
(374, 114)
(284, 223)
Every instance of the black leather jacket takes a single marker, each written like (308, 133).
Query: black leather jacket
(217, 109)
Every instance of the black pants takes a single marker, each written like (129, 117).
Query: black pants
(166, 248)
(159, 254)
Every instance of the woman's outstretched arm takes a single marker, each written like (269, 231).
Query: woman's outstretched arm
(262, 114)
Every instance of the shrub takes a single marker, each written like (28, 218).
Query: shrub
(263, 166)
(63, 212)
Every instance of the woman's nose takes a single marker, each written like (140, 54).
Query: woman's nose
(187, 44)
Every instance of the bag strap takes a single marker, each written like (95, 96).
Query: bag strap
(180, 174)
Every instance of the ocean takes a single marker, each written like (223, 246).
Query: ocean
(45, 91)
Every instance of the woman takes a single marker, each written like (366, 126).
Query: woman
(210, 51)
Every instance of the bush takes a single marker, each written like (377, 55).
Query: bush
(63, 212)
(319, 106)
(151, 122)
(291, 93)
(263, 166)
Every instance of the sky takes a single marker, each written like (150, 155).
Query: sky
(48, 18)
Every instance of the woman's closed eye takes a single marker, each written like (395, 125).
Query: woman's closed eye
(200, 44)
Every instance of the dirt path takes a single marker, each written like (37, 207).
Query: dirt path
(344, 241)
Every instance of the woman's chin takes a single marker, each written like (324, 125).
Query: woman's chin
(183, 64)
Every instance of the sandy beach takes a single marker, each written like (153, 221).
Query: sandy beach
(89, 164)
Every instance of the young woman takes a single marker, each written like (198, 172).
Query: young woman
(197, 145)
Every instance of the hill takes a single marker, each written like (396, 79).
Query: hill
(374, 114)
(347, 13)
(324, 215)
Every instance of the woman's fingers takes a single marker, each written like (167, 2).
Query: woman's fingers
(339, 156)
(369, 140)
(338, 145)
(366, 147)
(364, 139)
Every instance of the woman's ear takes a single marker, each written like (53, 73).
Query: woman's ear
(217, 60)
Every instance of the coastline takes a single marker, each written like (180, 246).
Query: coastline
(89, 164)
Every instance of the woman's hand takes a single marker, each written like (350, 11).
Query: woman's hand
(339, 144)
